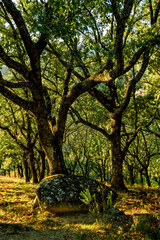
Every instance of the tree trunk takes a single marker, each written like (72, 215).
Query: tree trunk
(147, 177)
(32, 165)
(20, 171)
(117, 182)
(42, 168)
(4, 172)
(15, 175)
(141, 176)
(52, 146)
(25, 165)
(131, 174)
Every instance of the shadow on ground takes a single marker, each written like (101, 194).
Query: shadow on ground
(68, 227)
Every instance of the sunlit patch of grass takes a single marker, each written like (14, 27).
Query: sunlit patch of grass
(91, 227)
(140, 200)
(14, 200)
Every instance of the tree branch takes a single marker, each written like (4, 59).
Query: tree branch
(27, 105)
(86, 85)
(102, 98)
(157, 11)
(13, 64)
(77, 90)
(13, 136)
(154, 17)
(115, 10)
(134, 59)
(69, 72)
(98, 33)
(128, 4)
(121, 21)
(151, 11)
(91, 125)
(42, 42)
(65, 64)
(133, 82)
(14, 85)
(130, 140)
(17, 17)
(155, 133)
(81, 64)
(15, 33)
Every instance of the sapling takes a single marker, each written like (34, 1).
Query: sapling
(94, 206)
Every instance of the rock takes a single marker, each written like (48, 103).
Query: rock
(118, 219)
(61, 193)
(115, 211)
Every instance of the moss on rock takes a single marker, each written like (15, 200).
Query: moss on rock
(61, 193)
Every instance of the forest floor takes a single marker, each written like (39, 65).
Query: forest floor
(18, 221)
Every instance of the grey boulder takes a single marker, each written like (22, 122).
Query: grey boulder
(61, 193)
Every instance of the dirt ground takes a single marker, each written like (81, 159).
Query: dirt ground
(71, 227)
(47, 234)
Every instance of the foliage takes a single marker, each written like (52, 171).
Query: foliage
(142, 154)
(58, 50)
(109, 204)
(20, 139)
(86, 152)
(94, 208)
(90, 201)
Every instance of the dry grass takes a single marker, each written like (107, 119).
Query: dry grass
(143, 205)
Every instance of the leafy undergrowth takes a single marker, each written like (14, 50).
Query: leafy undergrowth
(142, 204)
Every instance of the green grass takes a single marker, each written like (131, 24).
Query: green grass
(16, 199)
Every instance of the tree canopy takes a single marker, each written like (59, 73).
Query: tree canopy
(58, 53)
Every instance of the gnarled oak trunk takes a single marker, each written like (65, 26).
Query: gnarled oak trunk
(52, 146)
(117, 182)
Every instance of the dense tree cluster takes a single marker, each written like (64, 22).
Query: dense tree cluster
(79, 88)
